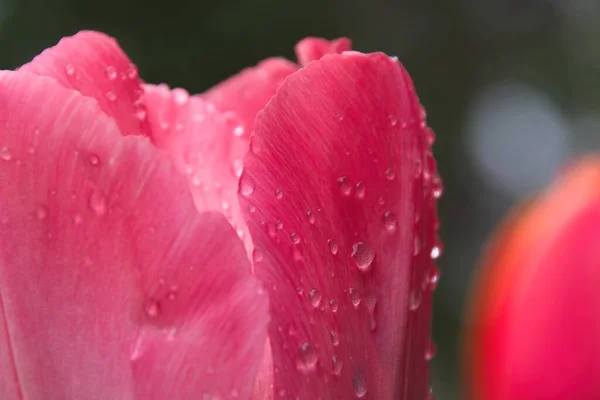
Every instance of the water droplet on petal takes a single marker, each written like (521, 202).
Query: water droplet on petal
(415, 300)
(434, 278)
(435, 252)
(295, 237)
(111, 96)
(390, 174)
(246, 185)
(335, 338)
(98, 202)
(431, 350)
(359, 383)
(151, 308)
(5, 154)
(359, 190)
(111, 73)
(354, 297)
(70, 69)
(333, 305)
(363, 255)
(345, 186)
(279, 194)
(333, 247)
(390, 222)
(307, 357)
(315, 297)
(181, 96)
(336, 365)
(311, 217)
(257, 255)
(94, 159)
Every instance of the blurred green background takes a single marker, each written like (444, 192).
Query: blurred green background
(512, 89)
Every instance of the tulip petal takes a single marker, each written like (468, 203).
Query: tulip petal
(94, 64)
(313, 48)
(207, 135)
(535, 327)
(342, 217)
(112, 286)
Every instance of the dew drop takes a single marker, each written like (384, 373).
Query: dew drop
(279, 224)
(238, 131)
(359, 384)
(431, 350)
(279, 194)
(345, 186)
(415, 300)
(390, 174)
(315, 297)
(333, 247)
(94, 159)
(359, 190)
(238, 167)
(300, 291)
(336, 365)
(354, 297)
(390, 222)
(140, 113)
(416, 246)
(111, 96)
(5, 154)
(311, 217)
(41, 212)
(363, 256)
(181, 96)
(151, 308)
(295, 237)
(333, 305)
(98, 203)
(435, 252)
(307, 357)
(393, 120)
(434, 278)
(70, 69)
(257, 255)
(335, 338)
(111, 73)
(247, 185)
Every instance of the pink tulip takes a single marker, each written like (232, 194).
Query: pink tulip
(122, 271)
(534, 329)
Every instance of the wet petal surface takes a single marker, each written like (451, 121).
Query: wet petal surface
(94, 64)
(342, 216)
(112, 286)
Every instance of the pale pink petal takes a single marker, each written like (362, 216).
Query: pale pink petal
(313, 48)
(94, 64)
(207, 135)
(343, 227)
(112, 286)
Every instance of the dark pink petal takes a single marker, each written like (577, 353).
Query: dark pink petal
(112, 286)
(94, 64)
(312, 48)
(343, 221)
(207, 135)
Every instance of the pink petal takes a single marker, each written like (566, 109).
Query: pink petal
(312, 48)
(111, 285)
(207, 135)
(344, 224)
(534, 327)
(94, 64)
